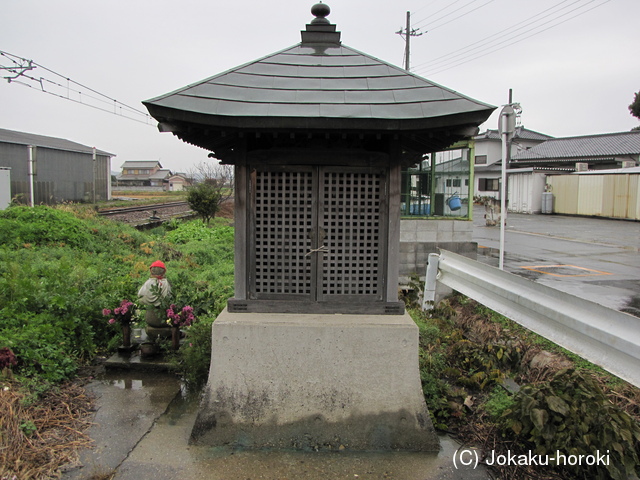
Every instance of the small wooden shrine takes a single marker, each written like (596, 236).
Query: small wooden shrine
(318, 134)
(315, 350)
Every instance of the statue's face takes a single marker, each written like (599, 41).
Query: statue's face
(155, 271)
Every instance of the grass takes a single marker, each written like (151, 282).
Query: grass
(466, 350)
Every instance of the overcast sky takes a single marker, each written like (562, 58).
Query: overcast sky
(573, 65)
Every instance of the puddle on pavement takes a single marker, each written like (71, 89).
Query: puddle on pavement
(632, 307)
(127, 384)
(228, 463)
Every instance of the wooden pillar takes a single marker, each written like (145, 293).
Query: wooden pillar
(393, 256)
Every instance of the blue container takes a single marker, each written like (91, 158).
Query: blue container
(420, 209)
(454, 202)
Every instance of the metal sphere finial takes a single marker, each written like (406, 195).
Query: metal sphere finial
(320, 11)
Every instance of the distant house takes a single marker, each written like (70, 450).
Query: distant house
(549, 165)
(488, 157)
(177, 182)
(590, 152)
(60, 170)
(142, 174)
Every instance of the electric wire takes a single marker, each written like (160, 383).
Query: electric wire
(425, 25)
(425, 6)
(448, 65)
(22, 65)
(480, 43)
(431, 29)
(441, 10)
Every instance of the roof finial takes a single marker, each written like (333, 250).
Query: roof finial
(320, 10)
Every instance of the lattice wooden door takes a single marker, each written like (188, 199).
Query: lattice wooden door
(319, 234)
(351, 217)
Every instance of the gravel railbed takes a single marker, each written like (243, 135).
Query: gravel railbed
(142, 217)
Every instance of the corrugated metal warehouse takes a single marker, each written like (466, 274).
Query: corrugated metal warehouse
(63, 171)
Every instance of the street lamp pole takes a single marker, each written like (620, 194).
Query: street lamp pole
(506, 126)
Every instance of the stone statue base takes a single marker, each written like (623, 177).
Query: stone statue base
(315, 381)
(156, 324)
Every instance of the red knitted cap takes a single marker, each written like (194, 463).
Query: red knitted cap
(158, 263)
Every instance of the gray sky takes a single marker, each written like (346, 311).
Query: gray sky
(573, 65)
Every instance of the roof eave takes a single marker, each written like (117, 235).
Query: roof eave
(175, 120)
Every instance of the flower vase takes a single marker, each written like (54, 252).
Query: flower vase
(126, 348)
(126, 335)
(175, 338)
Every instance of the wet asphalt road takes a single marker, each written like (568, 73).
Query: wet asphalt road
(592, 258)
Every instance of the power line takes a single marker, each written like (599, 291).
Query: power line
(58, 85)
(448, 65)
(438, 11)
(461, 15)
(480, 43)
(443, 16)
(425, 6)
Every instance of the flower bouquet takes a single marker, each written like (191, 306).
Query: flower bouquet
(123, 315)
(178, 318)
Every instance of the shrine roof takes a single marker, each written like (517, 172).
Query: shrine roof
(318, 83)
(304, 82)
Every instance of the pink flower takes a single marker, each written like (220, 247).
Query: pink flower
(106, 312)
(112, 321)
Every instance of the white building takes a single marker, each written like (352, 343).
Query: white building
(488, 157)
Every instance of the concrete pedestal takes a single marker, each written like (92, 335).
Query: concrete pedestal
(315, 381)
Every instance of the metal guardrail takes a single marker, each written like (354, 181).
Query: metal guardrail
(601, 335)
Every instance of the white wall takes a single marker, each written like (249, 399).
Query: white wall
(525, 192)
(5, 187)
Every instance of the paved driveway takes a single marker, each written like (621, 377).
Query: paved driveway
(593, 258)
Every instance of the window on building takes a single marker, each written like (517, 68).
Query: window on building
(488, 184)
(438, 186)
(480, 160)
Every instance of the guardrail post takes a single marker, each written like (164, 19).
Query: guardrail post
(430, 283)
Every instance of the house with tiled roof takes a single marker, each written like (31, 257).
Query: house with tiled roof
(488, 156)
(594, 175)
(142, 174)
(177, 182)
(539, 169)
(589, 152)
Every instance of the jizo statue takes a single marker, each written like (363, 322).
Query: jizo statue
(153, 293)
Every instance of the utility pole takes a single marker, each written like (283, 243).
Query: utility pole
(407, 33)
(506, 128)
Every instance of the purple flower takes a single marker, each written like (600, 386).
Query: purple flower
(122, 313)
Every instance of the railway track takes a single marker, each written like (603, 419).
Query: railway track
(150, 215)
(142, 208)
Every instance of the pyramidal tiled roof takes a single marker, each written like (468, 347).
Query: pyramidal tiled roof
(337, 83)
(602, 145)
(318, 84)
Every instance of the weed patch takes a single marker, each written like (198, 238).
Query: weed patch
(466, 353)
